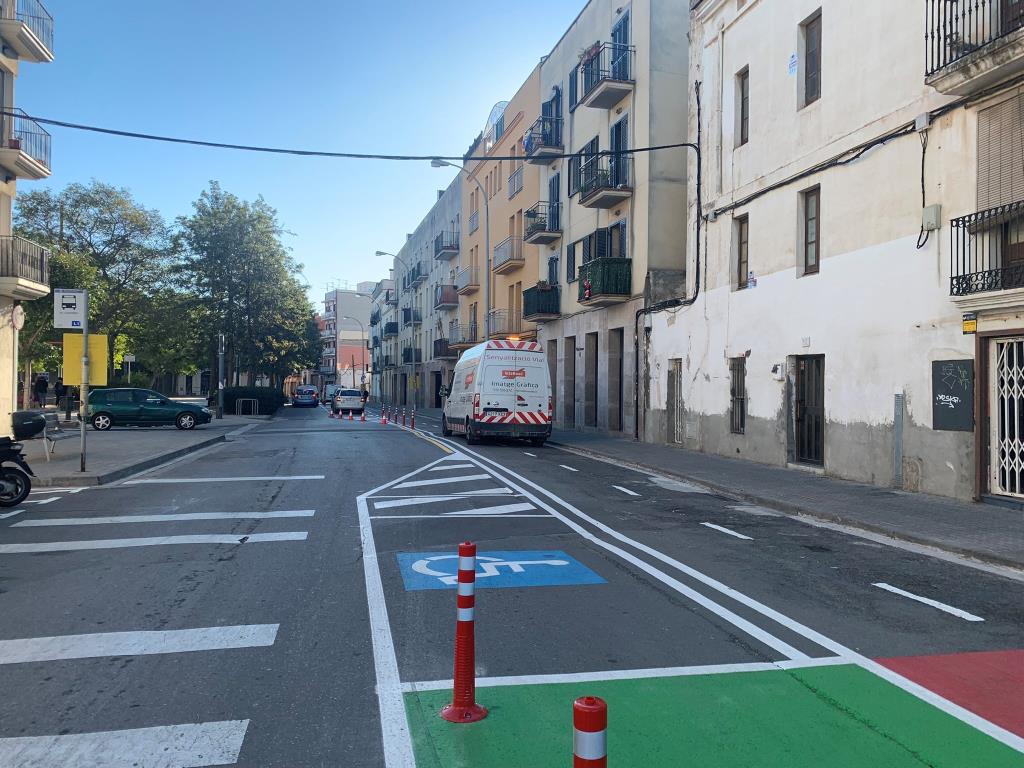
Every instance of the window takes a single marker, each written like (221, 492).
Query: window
(585, 165)
(742, 260)
(743, 107)
(737, 395)
(812, 59)
(499, 127)
(553, 270)
(573, 77)
(574, 175)
(570, 262)
(617, 240)
(811, 226)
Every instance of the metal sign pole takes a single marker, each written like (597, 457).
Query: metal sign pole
(84, 400)
(220, 377)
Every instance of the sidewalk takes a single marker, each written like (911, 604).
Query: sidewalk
(122, 451)
(982, 531)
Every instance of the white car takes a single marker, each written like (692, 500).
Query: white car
(501, 388)
(347, 400)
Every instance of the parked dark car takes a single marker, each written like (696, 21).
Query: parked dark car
(142, 408)
(305, 396)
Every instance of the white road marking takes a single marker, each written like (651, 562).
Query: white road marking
(752, 509)
(78, 489)
(448, 516)
(405, 501)
(998, 733)
(446, 466)
(676, 485)
(571, 469)
(928, 601)
(155, 480)
(41, 501)
(502, 509)
(88, 646)
(11, 514)
(164, 746)
(170, 518)
(530, 454)
(625, 490)
(217, 538)
(631, 674)
(442, 481)
(726, 530)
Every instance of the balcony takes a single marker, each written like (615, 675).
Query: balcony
(988, 258)
(25, 149)
(391, 297)
(390, 329)
(543, 142)
(474, 222)
(605, 181)
(328, 334)
(411, 317)
(374, 317)
(467, 280)
(415, 276)
(328, 369)
(445, 297)
(28, 31)
(443, 350)
(389, 361)
(505, 322)
(541, 303)
(972, 45)
(605, 281)
(329, 314)
(446, 246)
(605, 75)
(543, 223)
(508, 255)
(24, 269)
(412, 355)
(376, 342)
(463, 336)
(515, 182)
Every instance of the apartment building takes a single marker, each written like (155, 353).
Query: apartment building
(609, 223)
(344, 358)
(383, 301)
(860, 293)
(26, 36)
(427, 302)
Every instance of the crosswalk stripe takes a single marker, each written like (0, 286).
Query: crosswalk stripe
(503, 509)
(446, 466)
(30, 649)
(442, 481)
(165, 746)
(170, 518)
(217, 538)
(412, 500)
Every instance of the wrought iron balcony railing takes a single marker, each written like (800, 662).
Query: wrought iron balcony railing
(604, 172)
(416, 274)
(505, 322)
(23, 258)
(446, 246)
(391, 296)
(465, 335)
(541, 302)
(467, 278)
(605, 278)
(542, 222)
(605, 74)
(445, 296)
(956, 29)
(515, 182)
(443, 350)
(474, 221)
(389, 361)
(375, 317)
(23, 133)
(390, 329)
(411, 316)
(544, 138)
(508, 254)
(988, 251)
(412, 355)
(33, 14)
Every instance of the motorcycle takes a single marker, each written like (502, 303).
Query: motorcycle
(15, 481)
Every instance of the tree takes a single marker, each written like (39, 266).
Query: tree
(168, 339)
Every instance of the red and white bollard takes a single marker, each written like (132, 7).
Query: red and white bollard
(403, 417)
(413, 422)
(589, 733)
(464, 708)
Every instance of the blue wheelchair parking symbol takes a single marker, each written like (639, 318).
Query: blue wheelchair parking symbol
(504, 569)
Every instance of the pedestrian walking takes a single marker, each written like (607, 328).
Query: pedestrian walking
(59, 390)
(39, 389)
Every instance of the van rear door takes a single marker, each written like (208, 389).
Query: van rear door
(515, 388)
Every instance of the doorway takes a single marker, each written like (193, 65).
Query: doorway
(569, 382)
(1006, 416)
(810, 409)
(674, 401)
(437, 377)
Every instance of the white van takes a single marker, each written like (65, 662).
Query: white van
(500, 389)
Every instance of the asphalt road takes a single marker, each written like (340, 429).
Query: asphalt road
(281, 600)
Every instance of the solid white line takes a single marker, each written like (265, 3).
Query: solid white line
(501, 509)
(571, 469)
(405, 501)
(220, 479)
(625, 490)
(446, 466)
(726, 530)
(11, 514)
(447, 517)
(217, 538)
(165, 746)
(998, 733)
(530, 454)
(170, 518)
(41, 501)
(928, 601)
(630, 674)
(136, 643)
(442, 481)
(60, 490)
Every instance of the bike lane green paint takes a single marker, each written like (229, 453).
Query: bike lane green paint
(837, 716)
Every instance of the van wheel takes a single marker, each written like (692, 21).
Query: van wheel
(471, 437)
(538, 441)
(444, 427)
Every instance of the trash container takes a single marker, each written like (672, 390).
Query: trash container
(27, 424)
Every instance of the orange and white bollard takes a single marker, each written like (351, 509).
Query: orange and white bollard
(589, 733)
(464, 708)
(413, 422)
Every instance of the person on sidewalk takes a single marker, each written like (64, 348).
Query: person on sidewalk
(39, 389)
(59, 390)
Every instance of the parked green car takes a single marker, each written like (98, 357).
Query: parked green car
(142, 408)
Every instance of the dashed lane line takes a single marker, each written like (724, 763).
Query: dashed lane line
(566, 466)
(260, 478)
(169, 518)
(722, 529)
(928, 601)
(625, 490)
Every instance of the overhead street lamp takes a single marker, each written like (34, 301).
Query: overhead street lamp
(439, 163)
(362, 330)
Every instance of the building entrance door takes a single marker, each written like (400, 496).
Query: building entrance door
(437, 389)
(1006, 416)
(810, 409)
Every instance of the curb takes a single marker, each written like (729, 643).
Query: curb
(796, 510)
(75, 481)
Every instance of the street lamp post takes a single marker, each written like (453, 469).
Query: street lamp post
(439, 163)
(362, 330)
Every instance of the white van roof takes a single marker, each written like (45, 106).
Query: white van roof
(503, 344)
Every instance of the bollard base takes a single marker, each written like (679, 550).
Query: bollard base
(470, 714)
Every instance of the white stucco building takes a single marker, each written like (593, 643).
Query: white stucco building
(863, 188)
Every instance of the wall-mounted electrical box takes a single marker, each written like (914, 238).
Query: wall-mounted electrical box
(931, 218)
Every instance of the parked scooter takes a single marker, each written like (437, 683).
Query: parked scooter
(16, 481)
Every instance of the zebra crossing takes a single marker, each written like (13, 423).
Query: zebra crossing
(445, 489)
(167, 745)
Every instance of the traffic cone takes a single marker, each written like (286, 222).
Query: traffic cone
(464, 708)
(350, 414)
(362, 414)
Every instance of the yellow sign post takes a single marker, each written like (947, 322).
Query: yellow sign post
(98, 351)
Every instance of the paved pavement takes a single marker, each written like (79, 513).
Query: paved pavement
(288, 600)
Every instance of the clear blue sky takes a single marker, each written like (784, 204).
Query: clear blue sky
(392, 76)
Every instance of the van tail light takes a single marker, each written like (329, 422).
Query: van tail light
(551, 408)
(476, 406)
